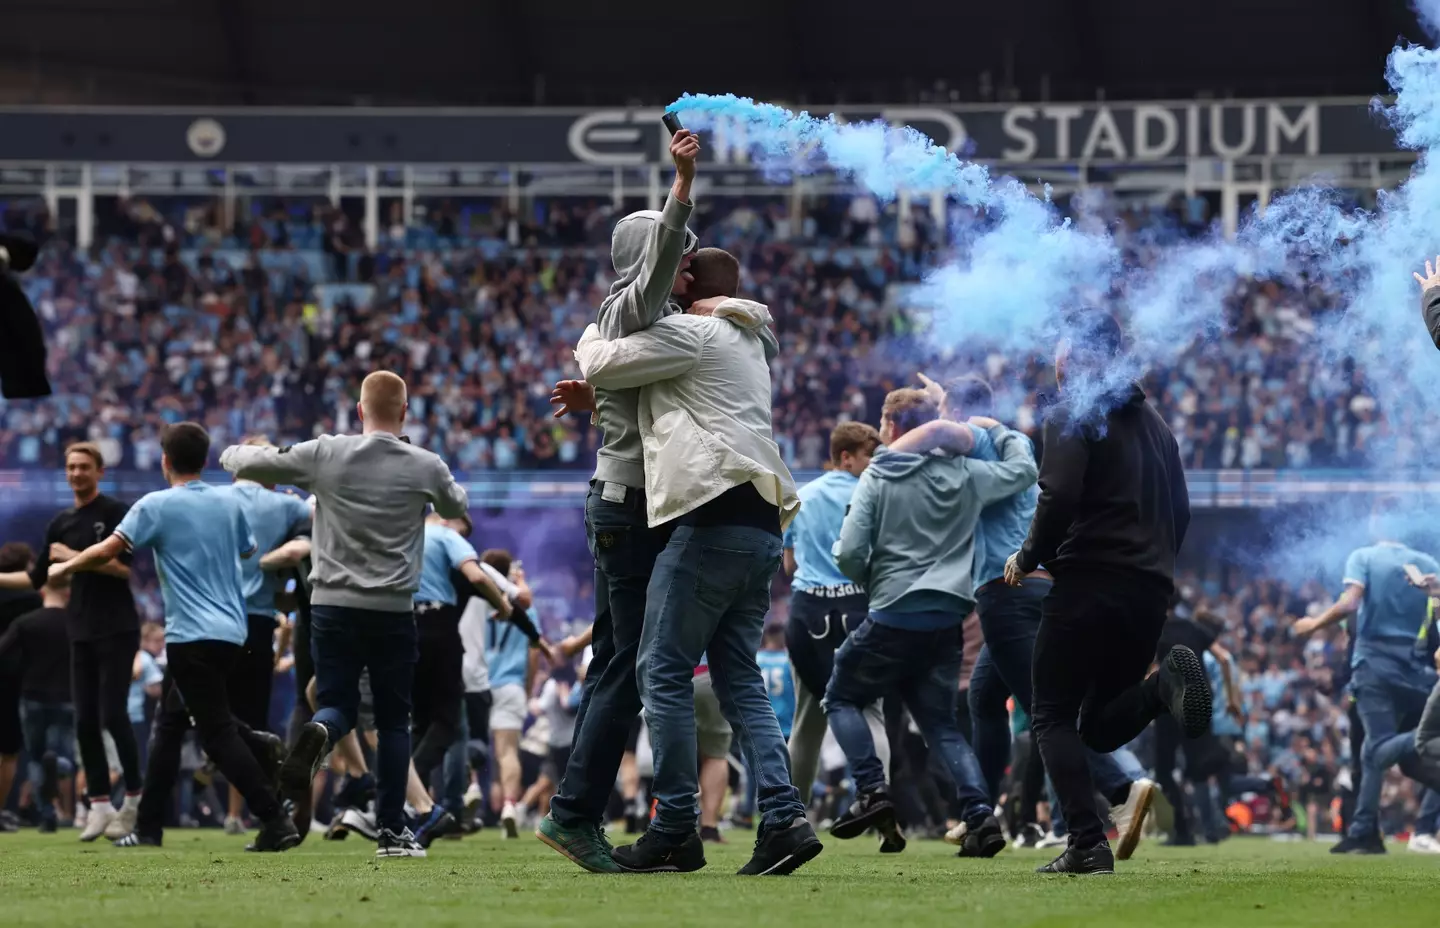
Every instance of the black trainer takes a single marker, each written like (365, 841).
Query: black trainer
(1185, 690)
(398, 844)
(1090, 861)
(298, 772)
(871, 810)
(892, 839)
(1370, 844)
(784, 850)
(983, 840)
(136, 839)
(710, 834)
(270, 751)
(277, 835)
(656, 852)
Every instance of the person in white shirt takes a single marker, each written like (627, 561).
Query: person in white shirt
(714, 474)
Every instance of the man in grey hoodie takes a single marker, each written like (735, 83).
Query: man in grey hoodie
(909, 539)
(650, 251)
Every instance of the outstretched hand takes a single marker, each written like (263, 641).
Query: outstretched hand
(572, 396)
(1432, 275)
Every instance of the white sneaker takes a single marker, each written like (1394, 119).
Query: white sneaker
(1129, 818)
(82, 815)
(361, 822)
(102, 816)
(474, 799)
(1424, 844)
(509, 819)
(956, 835)
(1051, 839)
(233, 826)
(124, 823)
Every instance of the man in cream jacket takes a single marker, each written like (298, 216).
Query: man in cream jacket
(714, 474)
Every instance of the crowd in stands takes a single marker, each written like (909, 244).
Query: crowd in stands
(267, 325)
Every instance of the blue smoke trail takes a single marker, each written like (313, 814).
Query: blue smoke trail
(1030, 276)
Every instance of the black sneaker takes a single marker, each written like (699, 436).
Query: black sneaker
(660, 853)
(711, 835)
(401, 844)
(136, 839)
(784, 850)
(982, 840)
(270, 751)
(297, 773)
(1030, 836)
(892, 839)
(1185, 690)
(871, 810)
(277, 835)
(436, 826)
(1090, 861)
(48, 826)
(1370, 844)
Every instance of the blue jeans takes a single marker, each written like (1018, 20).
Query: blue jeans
(923, 668)
(709, 594)
(1390, 712)
(344, 643)
(625, 549)
(49, 727)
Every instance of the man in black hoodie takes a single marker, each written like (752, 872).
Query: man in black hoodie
(1112, 514)
(15, 557)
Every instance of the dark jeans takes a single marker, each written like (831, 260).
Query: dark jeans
(1097, 639)
(624, 548)
(253, 679)
(49, 728)
(923, 668)
(196, 688)
(100, 674)
(439, 686)
(817, 627)
(1390, 712)
(346, 642)
(708, 596)
(1010, 621)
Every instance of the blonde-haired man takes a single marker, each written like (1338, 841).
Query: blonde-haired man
(368, 543)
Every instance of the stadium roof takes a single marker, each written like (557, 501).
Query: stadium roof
(568, 52)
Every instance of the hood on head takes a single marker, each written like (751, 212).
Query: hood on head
(627, 242)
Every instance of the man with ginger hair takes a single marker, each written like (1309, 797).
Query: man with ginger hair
(368, 543)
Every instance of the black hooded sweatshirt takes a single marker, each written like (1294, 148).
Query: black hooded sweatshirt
(1112, 494)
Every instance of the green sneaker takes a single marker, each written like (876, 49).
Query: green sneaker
(584, 844)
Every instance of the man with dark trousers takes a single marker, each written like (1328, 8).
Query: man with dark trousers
(1112, 514)
(649, 251)
(104, 636)
(199, 535)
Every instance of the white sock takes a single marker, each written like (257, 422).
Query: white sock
(99, 804)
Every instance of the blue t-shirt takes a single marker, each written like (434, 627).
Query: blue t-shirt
(199, 535)
(780, 685)
(274, 518)
(508, 652)
(445, 550)
(1221, 722)
(150, 674)
(1003, 525)
(816, 527)
(1392, 614)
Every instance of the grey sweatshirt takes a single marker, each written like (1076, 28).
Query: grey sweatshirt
(646, 248)
(371, 491)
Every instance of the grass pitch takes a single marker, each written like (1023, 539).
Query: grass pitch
(205, 879)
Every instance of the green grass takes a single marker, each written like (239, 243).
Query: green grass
(205, 879)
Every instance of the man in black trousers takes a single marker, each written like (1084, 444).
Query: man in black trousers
(1112, 514)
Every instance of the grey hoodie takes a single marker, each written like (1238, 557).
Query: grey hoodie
(909, 534)
(646, 248)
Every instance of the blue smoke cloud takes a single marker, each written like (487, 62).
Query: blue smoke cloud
(1031, 276)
